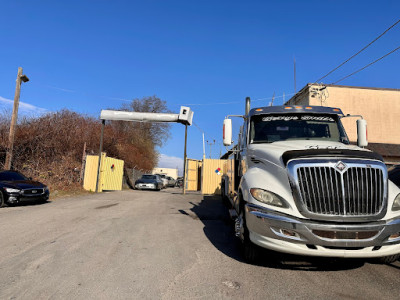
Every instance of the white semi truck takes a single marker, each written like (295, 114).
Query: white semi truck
(296, 185)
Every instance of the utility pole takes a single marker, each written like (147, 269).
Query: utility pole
(210, 144)
(24, 78)
(204, 149)
(272, 100)
(294, 74)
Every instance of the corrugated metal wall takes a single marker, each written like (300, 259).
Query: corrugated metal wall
(193, 173)
(211, 179)
(89, 180)
(111, 174)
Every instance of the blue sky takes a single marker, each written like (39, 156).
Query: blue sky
(209, 55)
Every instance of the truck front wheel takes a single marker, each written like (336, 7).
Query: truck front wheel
(389, 259)
(250, 251)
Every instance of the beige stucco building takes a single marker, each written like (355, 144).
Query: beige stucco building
(379, 106)
(166, 171)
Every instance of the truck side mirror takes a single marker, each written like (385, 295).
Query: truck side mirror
(362, 133)
(227, 132)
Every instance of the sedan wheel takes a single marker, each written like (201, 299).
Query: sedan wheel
(1, 200)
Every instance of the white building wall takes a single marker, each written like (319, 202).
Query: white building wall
(166, 171)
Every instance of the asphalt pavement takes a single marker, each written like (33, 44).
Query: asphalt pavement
(161, 245)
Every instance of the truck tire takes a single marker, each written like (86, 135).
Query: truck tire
(224, 197)
(389, 259)
(250, 251)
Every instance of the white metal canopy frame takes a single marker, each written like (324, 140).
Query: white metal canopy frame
(184, 117)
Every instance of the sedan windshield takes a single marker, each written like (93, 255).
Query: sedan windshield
(11, 176)
(273, 128)
(148, 177)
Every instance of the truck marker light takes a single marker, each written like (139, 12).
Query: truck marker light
(298, 107)
(308, 107)
(394, 236)
(289, 233)
(259, 109)
(335, 109)
(288, 107)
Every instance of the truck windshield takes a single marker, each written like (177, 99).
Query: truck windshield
(280, 127)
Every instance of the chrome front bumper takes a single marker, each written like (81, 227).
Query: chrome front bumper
(285, 233)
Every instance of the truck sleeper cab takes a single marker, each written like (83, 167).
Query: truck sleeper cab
(304, 189)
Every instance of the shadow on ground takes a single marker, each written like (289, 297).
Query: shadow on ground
(27, 203)
(219, 229)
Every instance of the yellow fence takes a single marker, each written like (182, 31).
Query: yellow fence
(193, 173)
(212, 171)
(111, 173)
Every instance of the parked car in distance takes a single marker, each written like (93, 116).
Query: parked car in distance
(171, 181)
(394, 175)
(164, 180)
(16, 188)
(149, 182)
(179, 182)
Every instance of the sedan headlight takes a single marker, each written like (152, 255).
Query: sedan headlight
(396, 203)
(268, 198)
(11, 190)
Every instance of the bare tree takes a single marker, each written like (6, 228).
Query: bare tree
(154, 133)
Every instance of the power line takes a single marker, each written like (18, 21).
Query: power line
(398, 21)
(83, 93)
(201, 130)
(387, 54)
(191, 104)
(234, 102)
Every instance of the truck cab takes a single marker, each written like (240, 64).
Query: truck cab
(299, 186)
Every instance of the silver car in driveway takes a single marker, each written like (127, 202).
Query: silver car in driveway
(149, 182)
(171, 181)
(164, 180)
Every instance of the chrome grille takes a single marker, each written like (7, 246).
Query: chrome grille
(37, 191)
(356, 191)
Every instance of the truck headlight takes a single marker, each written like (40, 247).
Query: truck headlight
(268, 198)
(11, 190)
(396, 203)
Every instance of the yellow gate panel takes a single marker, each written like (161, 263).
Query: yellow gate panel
(112, 170)
(111, 173)
(212, 170)
(193, 177)
(90, 178)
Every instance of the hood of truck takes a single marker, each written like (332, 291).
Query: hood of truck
(272, 152)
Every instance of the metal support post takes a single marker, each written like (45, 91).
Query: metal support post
(184, 163)
(103, 123)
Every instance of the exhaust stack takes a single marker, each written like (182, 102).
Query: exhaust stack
(247, 108)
